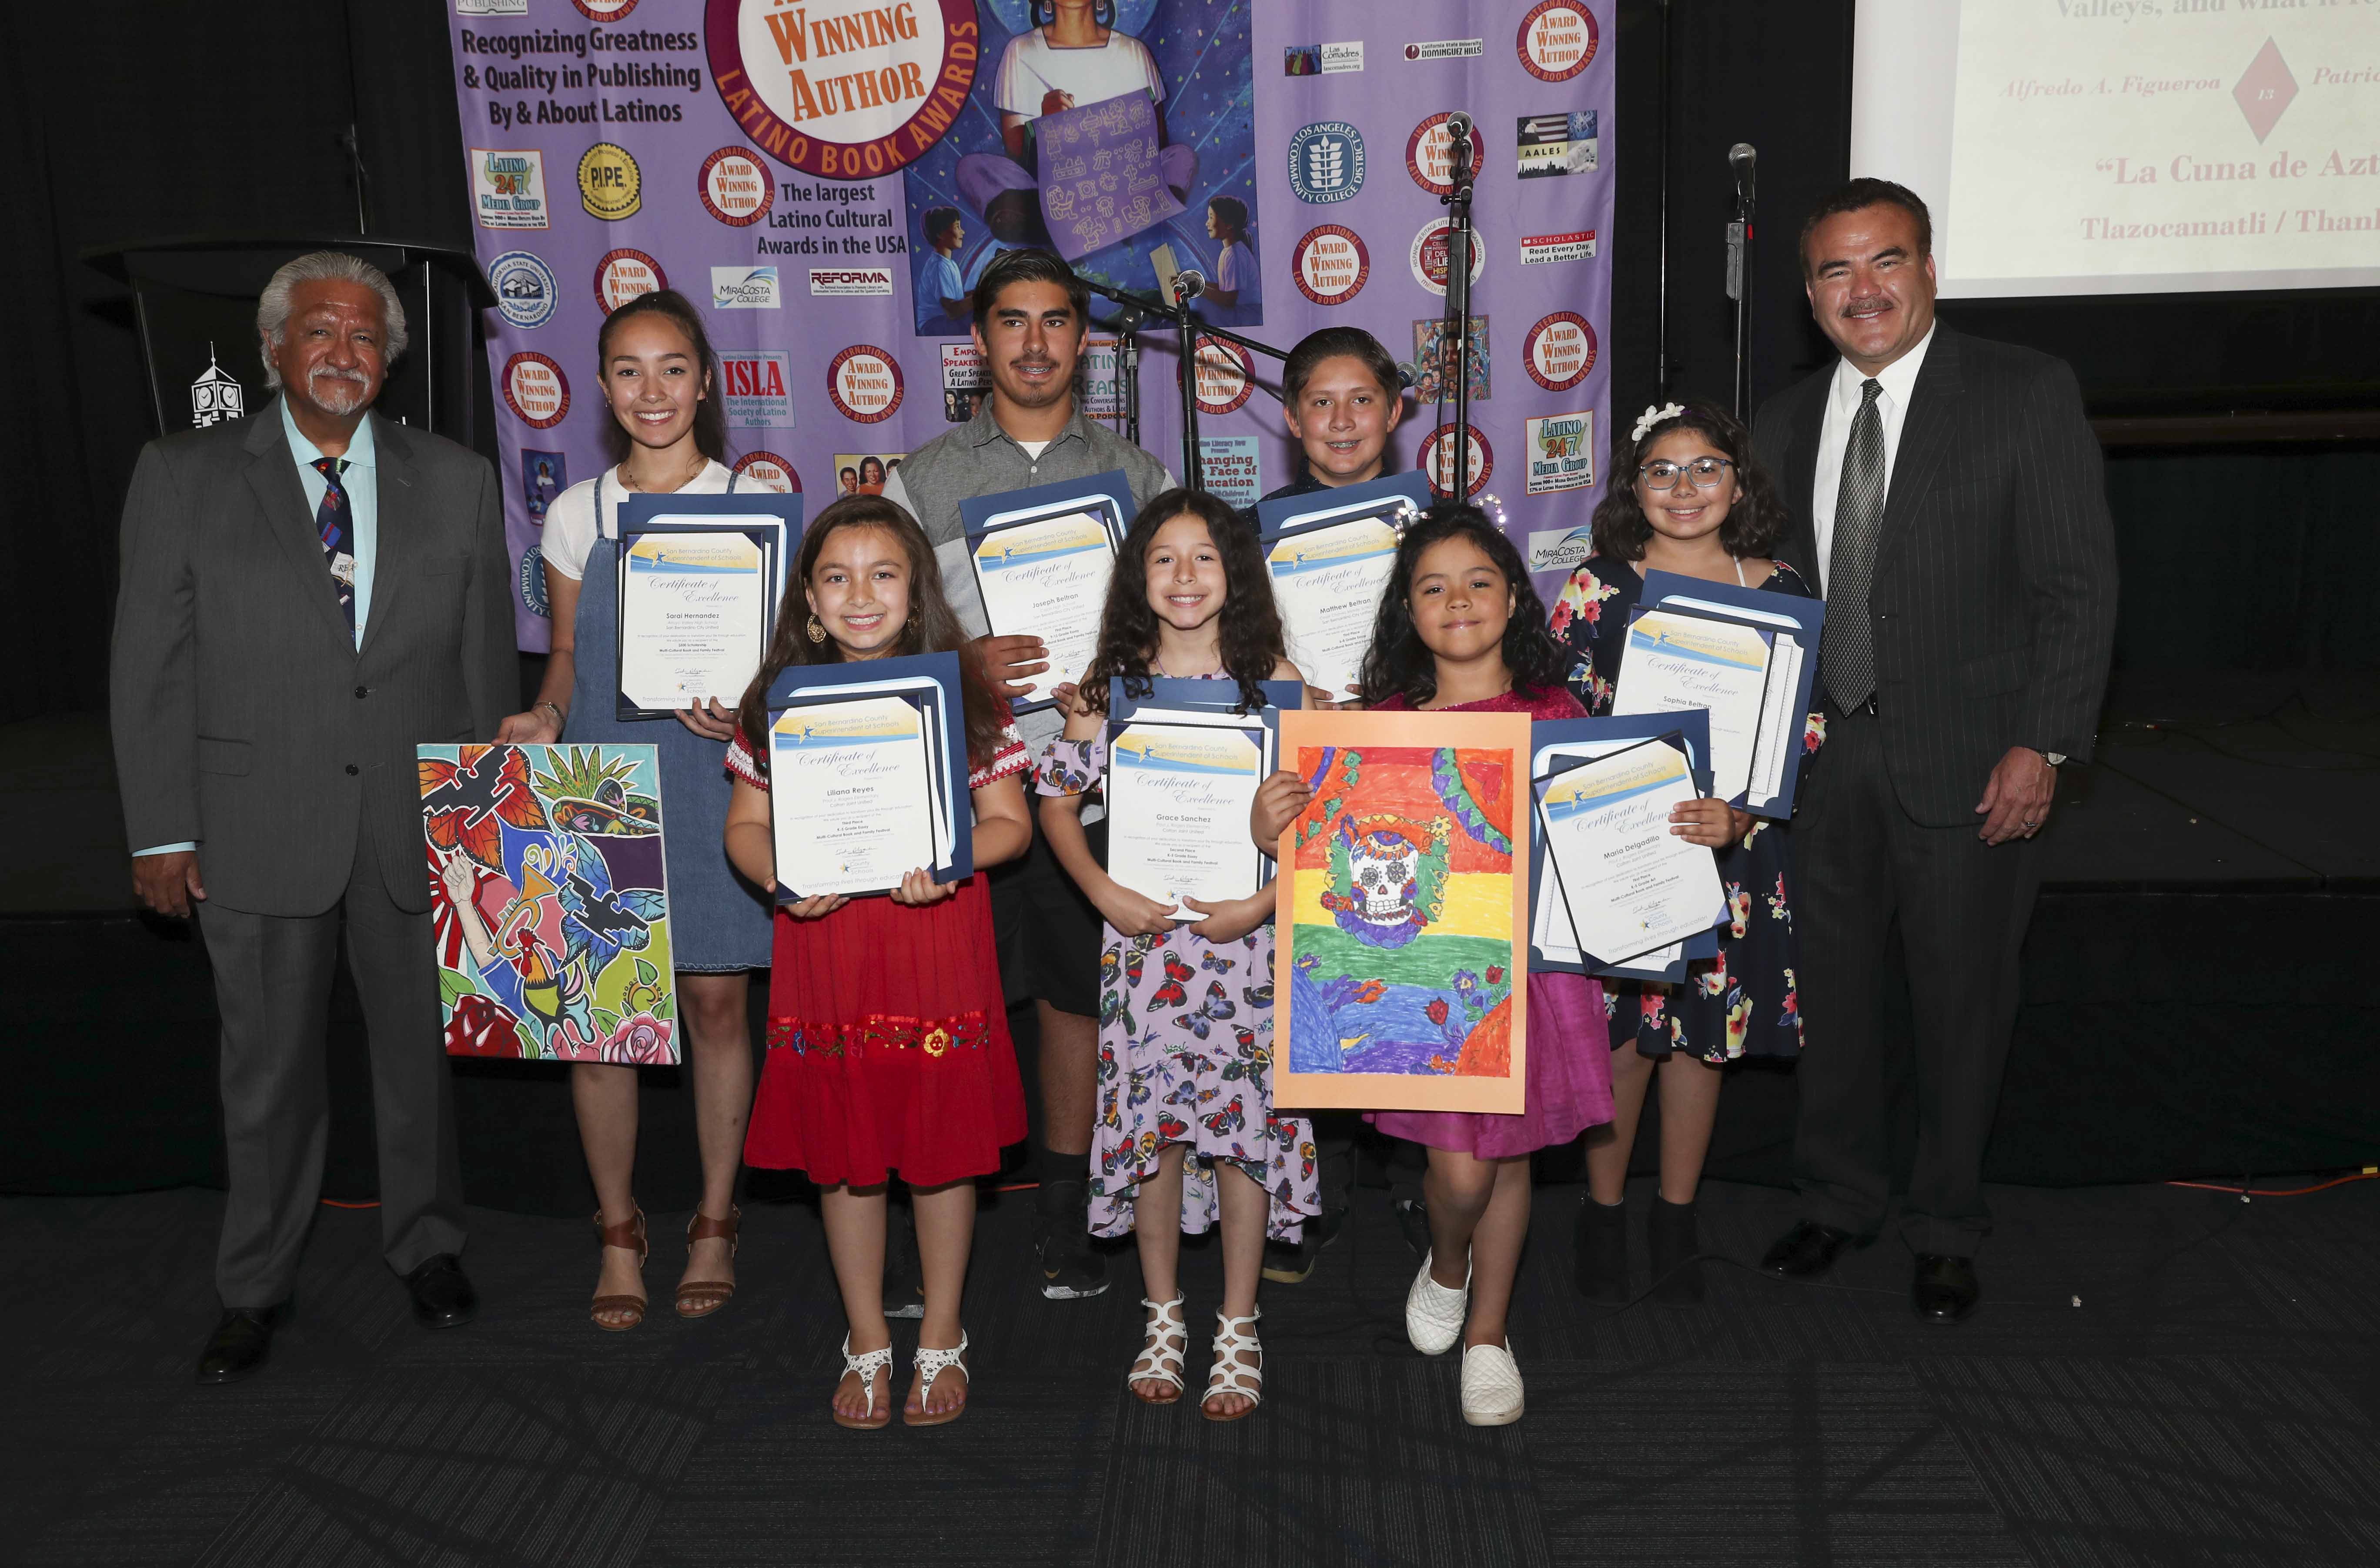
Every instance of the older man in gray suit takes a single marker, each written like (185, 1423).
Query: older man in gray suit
(307, 596)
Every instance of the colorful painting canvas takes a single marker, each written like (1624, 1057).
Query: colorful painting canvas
(548, 901)
(1402, 912)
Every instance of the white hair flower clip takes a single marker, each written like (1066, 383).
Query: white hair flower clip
(1652, 416)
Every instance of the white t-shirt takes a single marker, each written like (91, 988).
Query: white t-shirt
(570, 528)
(1031, 67)
(1237, 269)
(1844, 395)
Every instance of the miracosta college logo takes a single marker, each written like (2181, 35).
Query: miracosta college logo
(844, 90)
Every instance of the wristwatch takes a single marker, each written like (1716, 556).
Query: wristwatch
(2055, 758)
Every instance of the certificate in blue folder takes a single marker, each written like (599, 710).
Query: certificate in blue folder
(1329, 554)
(1041, 557)
(1557, 744)
(1690, 638)
(1142, 733)
(701, 579)
(867, 770)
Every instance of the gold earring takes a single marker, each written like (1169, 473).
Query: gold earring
(817, 628)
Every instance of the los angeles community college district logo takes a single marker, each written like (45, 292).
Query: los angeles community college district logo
(845, 89)
(535, 390)
(1326, 162)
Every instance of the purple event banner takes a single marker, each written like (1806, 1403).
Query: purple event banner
(816, 175)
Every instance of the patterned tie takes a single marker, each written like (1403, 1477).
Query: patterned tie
(331, 522)
(1848, 662)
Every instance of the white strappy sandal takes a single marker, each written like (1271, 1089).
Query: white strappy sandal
(933, 1364)
(866, 1367)
(1229, 1374)
(1164, 1341)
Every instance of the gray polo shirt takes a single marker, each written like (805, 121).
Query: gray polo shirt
(979, 458)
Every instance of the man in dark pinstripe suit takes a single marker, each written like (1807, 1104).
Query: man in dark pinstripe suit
(1948, 495)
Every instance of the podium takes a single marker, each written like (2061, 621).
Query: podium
(195, 301)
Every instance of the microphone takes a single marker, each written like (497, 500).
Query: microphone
(1459, 124)
(1188, 285)
(1745, 159)
(1458, 149)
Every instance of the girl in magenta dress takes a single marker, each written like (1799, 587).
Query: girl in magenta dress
(888, 1037)
(1460, 630)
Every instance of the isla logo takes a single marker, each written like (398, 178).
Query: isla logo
(744, 288)
(1326, 162)
(754, 385)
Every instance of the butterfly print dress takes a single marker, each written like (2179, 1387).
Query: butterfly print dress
(1185, 1056)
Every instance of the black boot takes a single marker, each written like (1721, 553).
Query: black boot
(1675, 1239)
(1602, 1250)
(1070, 1268)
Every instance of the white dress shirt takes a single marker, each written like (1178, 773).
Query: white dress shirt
(1835, 433)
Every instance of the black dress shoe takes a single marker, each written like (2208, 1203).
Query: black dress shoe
(242, 1340)
(443, 1297)
(1945, 1289)
(1808, 1250)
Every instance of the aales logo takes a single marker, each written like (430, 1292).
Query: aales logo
(755, 385)
(523, 285)
(1557, 144)
(744, 288)
(508, 187)
(1326, 162)
(831, 282)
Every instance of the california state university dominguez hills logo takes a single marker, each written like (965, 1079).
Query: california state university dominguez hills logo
(216, 396)
(844, 89)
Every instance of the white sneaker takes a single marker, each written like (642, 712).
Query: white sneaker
(1492, 1385)
(1433, 1314)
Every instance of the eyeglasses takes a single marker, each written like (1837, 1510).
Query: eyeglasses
(1706, 472)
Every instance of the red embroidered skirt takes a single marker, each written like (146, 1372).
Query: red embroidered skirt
(888, 1046)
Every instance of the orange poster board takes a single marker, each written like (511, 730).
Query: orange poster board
(1401, 922)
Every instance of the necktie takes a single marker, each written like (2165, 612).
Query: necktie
(1848, 663)
(330, 520)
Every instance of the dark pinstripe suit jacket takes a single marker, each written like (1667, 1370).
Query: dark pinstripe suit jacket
(1995, 597)
(245, 716)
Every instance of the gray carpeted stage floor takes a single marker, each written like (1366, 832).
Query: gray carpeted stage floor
(2159, 1377)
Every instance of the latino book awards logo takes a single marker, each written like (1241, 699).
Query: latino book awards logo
(864, 383)
(536, 390)
(744, 288)
(1429, 255)
(1326, 162)
(621, 275)
(604, 10)
(845, 89)
(766, 470)
(756, 384)
(1330, 264)
(508, 187)
(1226, 378)
(1437, 461)
(1558, 38)
(523, 285)
(1559, 350)
(216, 396)
(734, 187)
(1429, 155)
(610, 187)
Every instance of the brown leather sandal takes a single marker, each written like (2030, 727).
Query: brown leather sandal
(700, 1298)
(629, 1237)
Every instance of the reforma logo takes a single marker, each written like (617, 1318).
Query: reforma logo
(735, 186)
(1326, 162)
(845, 89)
(1557, 39)
(1561, 452)
(524, 286)
(536, 390)
(1560, 351)
(1560, 550)
(623, 274)
(1429, 255)
(1330, 265)
(1226, 378)
(1429, 155)
(838, 281)
(610, 187)
(864, 383)
(756, 388)
(508, 187)
(1437, 461)
(745, 288)
(768, 471)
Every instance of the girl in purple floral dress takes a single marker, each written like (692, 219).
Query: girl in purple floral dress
(1694, 501)
(1186, 1132)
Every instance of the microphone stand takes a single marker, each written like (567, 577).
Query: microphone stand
(1135, 309)
(1739, 285)
(1458, 298)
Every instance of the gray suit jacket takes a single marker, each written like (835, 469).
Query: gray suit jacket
(245, 717)
(1994, 604)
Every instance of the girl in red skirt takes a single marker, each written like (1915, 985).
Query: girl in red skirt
(888, 1037)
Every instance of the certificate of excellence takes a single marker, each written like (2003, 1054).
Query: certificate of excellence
(1632, 884)
(1328, 582)
(694, 618)
(1179, 796)
(1048, 579)
(1675, 662)
(850, 796)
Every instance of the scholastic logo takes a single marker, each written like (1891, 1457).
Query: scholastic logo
(864, 383)
(1560, 351)
(508, 187)
(1437, 461)
(1322, 59)
(1226, 376)
(1326, 162)
(733, 186)
(1429, 255)
(1556, 40)
(1330, 265)
(831, 282)
(621, 275)
(1447, 49)
(1562, 453)
(1429, 155)
(536, 390)
(1560, 550)
(768, 471)
(1557, 144)
(1578, 245)
(523, 285)
(755, 385)
(843, 92)
(604, 10)
(744, 288)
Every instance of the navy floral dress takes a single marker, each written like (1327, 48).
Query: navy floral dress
(1743, 1003)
